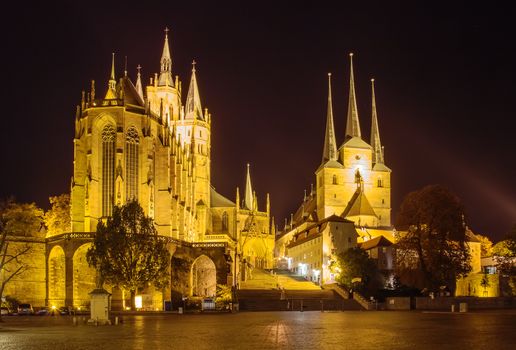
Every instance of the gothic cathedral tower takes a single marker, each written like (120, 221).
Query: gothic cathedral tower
(143, 144)
(353, 182)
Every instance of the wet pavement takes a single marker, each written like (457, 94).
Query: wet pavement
(270, 330)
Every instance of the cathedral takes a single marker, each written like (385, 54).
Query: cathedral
(351, 201)
(150, 143)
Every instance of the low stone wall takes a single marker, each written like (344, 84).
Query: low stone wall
(397, 303)
(445, 303)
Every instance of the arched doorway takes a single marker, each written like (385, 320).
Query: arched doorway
(56, 277)
(83, 277)
(204, 277)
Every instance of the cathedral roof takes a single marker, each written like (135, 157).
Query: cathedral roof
(331, 164)
(307, 211)
(218, 200)
(356, 142)
(131, 96)
(381, 167)
(359, 205)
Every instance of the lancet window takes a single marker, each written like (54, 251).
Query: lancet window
(108, 169)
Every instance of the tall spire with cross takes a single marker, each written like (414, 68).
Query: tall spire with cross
(375, 131)
(165, 75)
(352, 123)
(193, 108)
(139, 88)
(249, 197)
(111, 93)
(330, 144)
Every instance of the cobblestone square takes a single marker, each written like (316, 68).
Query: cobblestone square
(269, 330)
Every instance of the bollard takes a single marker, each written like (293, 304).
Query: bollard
(301, 306)
(74, 319)
(453, 308)
(116, 320)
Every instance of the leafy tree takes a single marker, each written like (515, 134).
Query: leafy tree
(21, 219)
(505, 253)
(431, 248)
(127, 251)
(355, 264)
(486, 246)
(57, 218)
(16, 219)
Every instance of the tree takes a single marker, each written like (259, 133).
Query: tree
(57, 218)
(355, 264)
(505, 253)
(128, 253)
(16, 220)
(431, 248)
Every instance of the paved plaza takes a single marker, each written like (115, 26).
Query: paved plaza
(270, 330)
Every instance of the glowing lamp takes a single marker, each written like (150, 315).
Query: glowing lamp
(138, 301)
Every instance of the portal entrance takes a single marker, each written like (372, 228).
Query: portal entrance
(56, 277)
(204, 277)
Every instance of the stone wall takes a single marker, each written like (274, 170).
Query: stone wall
(397, 303)
(29, 286)
(445, 303)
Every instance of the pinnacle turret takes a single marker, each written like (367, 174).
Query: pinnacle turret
(249, 197)
(165, 75)
(111, 93)
(375, 131)
(330, 144)
(193, 108)
(352, 123)
(139, 88)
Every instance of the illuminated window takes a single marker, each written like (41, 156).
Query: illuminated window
(108, 169)
(131, 163)
(334, 179)
(224, 221)
(380, 182)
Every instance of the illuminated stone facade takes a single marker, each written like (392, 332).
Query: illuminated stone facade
(352, 183)
(142, 142)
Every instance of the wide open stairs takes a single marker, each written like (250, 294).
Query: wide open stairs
(285, 292)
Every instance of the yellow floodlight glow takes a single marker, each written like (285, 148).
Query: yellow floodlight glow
(53, 307)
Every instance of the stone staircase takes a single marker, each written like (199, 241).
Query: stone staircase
(261, 293)
(262, 279)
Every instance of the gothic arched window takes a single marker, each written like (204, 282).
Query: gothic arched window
(225, 221)
(108, 169)
(380, 182)
(131, 163)
(334, 179)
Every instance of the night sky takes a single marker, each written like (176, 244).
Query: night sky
(444, 79)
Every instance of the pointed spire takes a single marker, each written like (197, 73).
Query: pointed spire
(139, 88)
(330, 145)
(111, 93)
(352, 124)
(193, 108)
(237, 201)
(375, 132)
(248, 199)
(165, 75)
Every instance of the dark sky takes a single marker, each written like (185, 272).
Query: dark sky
(444, 83)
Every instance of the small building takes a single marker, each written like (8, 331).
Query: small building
(312, 249)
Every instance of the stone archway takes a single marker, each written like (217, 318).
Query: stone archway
(56, 277)
(83, 277)
(204, 277)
